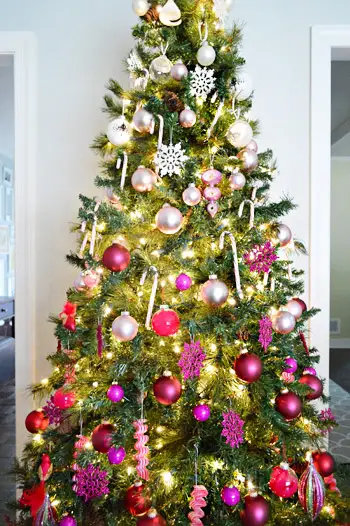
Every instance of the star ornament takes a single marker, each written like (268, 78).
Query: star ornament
(170, 159)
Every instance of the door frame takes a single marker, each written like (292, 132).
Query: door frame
(324, 41)
(22, 45)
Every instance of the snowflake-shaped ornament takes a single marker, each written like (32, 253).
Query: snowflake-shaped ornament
(202, 82)
(170, 159)
(221, 8)
(134, 62)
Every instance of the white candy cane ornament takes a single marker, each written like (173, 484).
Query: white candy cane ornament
(124, 169)
(235, 259)
(216, 118)
(252, 211)
(160, 139)
(93, 233)
(153, 292)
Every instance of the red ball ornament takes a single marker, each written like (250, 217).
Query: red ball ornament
(102, 437)
(36, 421)
(324, 463)
(256, 511)
(137, 499)
(116, 258)
(165, 322)
(314, 383)
(167, 389)
(289, 405)
(64, 399)
(151, 519)
(283, 481)
(248, 367)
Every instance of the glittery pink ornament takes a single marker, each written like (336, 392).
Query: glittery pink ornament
(142, 450)
(233, 429)
(192, 358)
(115, 393)
(91, 482)
(201, 412)
(53, 412)
(265, 332)
(183, 282)
(261, 257)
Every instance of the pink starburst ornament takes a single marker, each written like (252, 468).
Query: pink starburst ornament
(91, 482)
(54, 414)
(327, 417)
(192, 358)
(233, 429)
(261, 257)
(265, 332)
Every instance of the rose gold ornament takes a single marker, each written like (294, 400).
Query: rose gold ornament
(169, 220)
(249, 160)
(187, 118)
(214, 292)
(179, 71)
(192, 195)
(143, 180)
(295, 308)
(237, 181)
(284, 234)
(283, 322)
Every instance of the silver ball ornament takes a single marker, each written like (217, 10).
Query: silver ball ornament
(295, 307)
(253, 146)
(119, 131)
(179, 71)
(125, 327)
(249, 160)
(237, 181)
(206, 54)
(187, 118)
(283, 322)
(143, 121)
(169, 220)
(214, 292)
(239, 134)
(143, 180)
(284, 234)
(140, 7)
(192, 195)
(160, 69)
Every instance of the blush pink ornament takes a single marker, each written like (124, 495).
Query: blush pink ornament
(283, 322)
(201, 412)
(125, 327)
(295, 308)
(91, 279)
(115, 393)
(79, 283)
(237, 181)
(192, 195)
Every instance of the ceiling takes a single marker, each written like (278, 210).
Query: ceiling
(341, 105)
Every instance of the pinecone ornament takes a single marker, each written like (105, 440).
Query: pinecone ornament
(173, 102)
(243, 334)
(152, 14)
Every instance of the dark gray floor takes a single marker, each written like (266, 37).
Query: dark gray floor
(340, 367)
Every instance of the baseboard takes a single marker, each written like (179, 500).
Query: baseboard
(340, 343)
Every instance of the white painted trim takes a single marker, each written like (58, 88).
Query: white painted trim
(23, 46)
(323, 40)
(339, 343)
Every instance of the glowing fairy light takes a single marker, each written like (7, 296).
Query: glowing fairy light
(168, 478)
(95, 384)
(143, 241)
(45, 381)
(109, 355)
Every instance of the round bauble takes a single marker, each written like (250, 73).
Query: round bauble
(284, 235)
(183, 282)
(179, 71)
(170, 14)
(248, 367)
(244, 87)
(116, 455)
(256, 511)
(212, 193)
(249, 160)
(187, 118)
(237, 181)
(310, 370)
(230, 495)
(143, 121)
(169, 220)
(201, 412)
(115, 393)
(324, 463)
(167, 389)
(314, 383)
(214, 292)
(295, 308)
(140, 7)
(64, 399)
(291, 365)
(283, 481)
(79, 283)
(211, 177)
(289, 405)
(36, 421)
(68, 521)
(283, 322)
(137, 499)
(125, 327)
(301, 303)
(116, 258)
(206, 54)
(160, 69)
(112, 196)
(192, 195)
(165, 322)
(151, 519)
(102, 437)
(143, 180)
(239, 134)
(253, 146)
(119, 131)
(91, 279)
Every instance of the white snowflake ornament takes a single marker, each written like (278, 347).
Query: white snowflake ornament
(202, 82)
(170, 159)
(222, 7)
(134, 62)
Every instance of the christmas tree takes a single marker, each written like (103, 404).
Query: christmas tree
(183, 383)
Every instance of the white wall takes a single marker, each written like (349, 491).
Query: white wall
(7, 121)
(81, 45)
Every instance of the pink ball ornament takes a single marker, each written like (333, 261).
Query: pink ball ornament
(169, 220)
(237, 181)
(283, 322)
(284, 235)
(125, 327)
(291, 365)
(167, 389)
(211, 177)
(91, 279)
(301, 303)
(192, 195)
(249, 160)
(179, 71)
(116, 258)
(187, 118)
(79, 283)
(256, 511)
(214, 292)
(116, 455)
(183, 282)
(212, 193)
(165, 322)
(295, 308)
(230, 496)
(252, 145)
(143, 180)
(248, 367)
(68, 521)
(64, 399)
(201, 412)
(289, 405)
(115, 393)
(314, 383)
(310, 370)
(283, 481)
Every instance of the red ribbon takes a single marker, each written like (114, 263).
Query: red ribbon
(68, 316)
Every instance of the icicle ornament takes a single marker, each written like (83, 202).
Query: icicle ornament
(235, 259)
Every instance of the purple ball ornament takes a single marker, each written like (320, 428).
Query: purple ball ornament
(183, 282)
(230, 496)
(291, 365)
(68, 521)
(116, 455)
(115, 393)
(201, 412)
(310, 370)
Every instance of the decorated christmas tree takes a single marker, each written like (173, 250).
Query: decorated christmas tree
(183, 382)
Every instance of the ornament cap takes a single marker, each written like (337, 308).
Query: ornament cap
(138, 483)
(284, 391)
(152, 514)
(168, 374)
(244, 351)
(125, 313)
(284, 465)
(213, 276)
(166, 205)
(253, 493)
(164, 307)
(192, 185)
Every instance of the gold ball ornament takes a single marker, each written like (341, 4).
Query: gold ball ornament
(143, 180)
(169, 220)
(214, 292)
(143, 121)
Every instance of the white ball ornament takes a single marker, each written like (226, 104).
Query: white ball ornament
(214, 292)
(187, 118)
(237, 181)
(160, 69)
(244, 87)
(284, 234)
(125, 327)
(140, 7)
(240, 134)
(179, 71)
(192, 195)
(170, 14)
(169, 220)
(119, 131)
(143, 121)
(143, 180)
(206, 54)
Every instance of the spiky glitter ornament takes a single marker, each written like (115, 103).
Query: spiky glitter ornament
(326, 417)
(170, 159)
(233, 429)
(265, 332)
(54, 414)
(261, 257)
(192, 358)
(202, 82)
(91, 482)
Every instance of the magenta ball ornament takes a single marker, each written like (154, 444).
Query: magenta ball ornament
(125, 327)
(167, 389)
(291, 365)
(289, 405)
(201, 412)
(165, 322)
(64, 399)
(192, 195)
(256, 511)
(284, 235)
(183, 282)
(102, 437)
(314, 383)
(143, 180)
(249, 160)
(230, 496)
(169, 220)
(283, 481)
(310, 370)
(295, 308)
(214, 292)
(283, 322)
(187, 118)
(68, 521)
(324, 463)
(179, 71)
(237, 181)
(116, 455)
(115, 393)
(248, 367)
(252, 145)
(116, 258)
